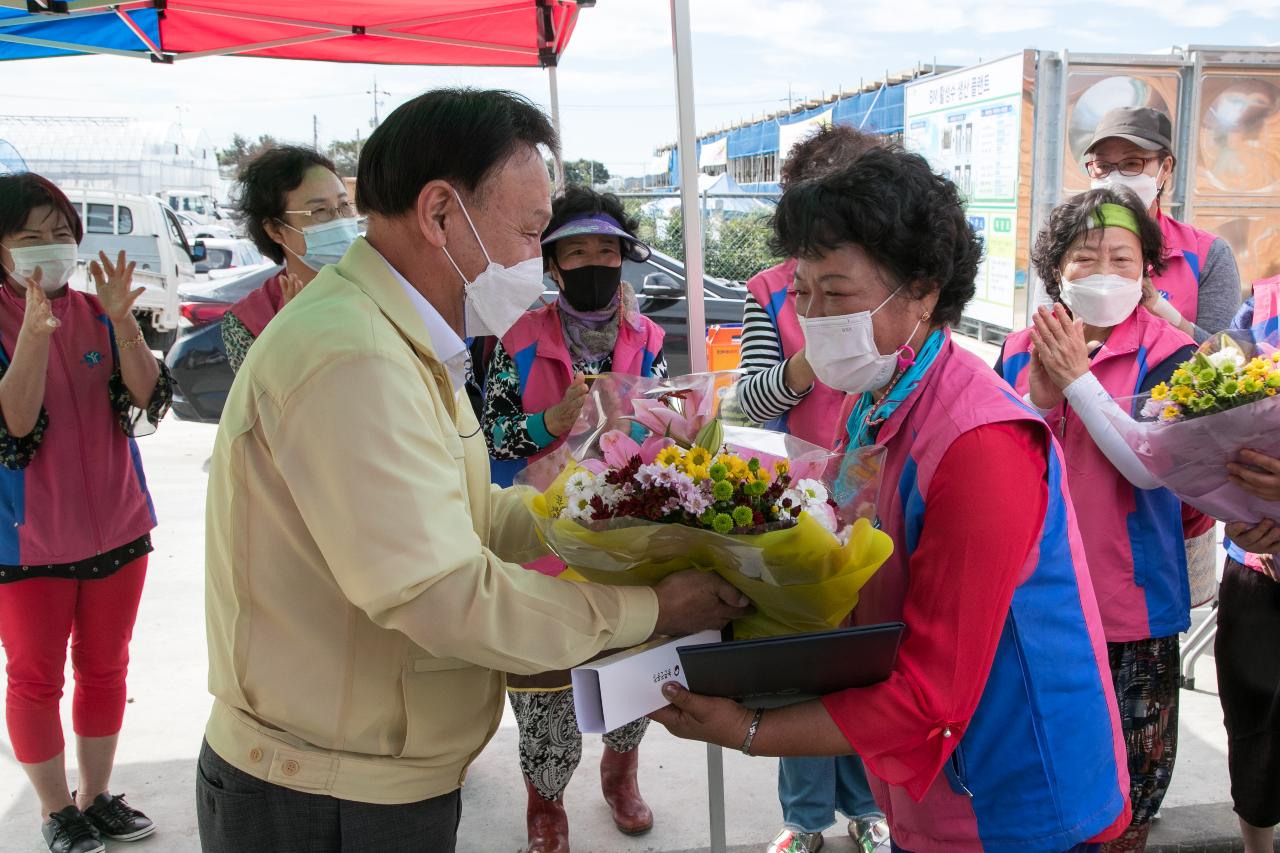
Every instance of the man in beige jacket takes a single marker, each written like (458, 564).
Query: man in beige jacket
(363, 592)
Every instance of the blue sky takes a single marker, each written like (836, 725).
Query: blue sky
(616, 80)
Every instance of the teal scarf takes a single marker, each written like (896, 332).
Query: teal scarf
(860, 429)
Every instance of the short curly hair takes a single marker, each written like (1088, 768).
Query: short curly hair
(833, 146)
(262, 185)
(1076, 217)
(909, 219)
(578, 201)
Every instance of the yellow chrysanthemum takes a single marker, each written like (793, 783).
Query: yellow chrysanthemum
(697, 457)
(1160, 392)
(738, 469)
(697, 473)
(1169, 413)
(1271, 392)
(670, 456)
(1181, 376)
(781, 467)
(1181, 394)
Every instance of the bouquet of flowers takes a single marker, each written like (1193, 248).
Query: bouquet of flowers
(650, 482)
(1223, 400)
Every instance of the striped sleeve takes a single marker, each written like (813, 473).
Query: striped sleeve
(763, 392)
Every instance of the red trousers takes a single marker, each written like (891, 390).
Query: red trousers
(37, 617)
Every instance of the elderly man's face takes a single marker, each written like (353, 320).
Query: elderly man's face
(510, 209)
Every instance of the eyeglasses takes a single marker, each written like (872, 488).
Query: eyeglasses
(321, 215)
(1129, 167)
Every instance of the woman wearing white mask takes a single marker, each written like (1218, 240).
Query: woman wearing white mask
(997, 729)
(298, 213)
(76, 382)
(1198, 289)
(1096, 344)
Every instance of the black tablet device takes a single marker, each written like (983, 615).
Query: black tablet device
(775, 671)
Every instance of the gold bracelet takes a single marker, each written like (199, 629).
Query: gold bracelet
(136, 341)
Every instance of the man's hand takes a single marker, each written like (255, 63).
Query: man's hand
(692, 601)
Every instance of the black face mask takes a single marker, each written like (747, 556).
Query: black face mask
(591, 288)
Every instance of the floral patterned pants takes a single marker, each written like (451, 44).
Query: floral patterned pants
(550, 743)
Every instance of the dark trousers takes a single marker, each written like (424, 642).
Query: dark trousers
(239, 813)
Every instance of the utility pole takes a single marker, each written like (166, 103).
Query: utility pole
(376, 102)
(315, 132)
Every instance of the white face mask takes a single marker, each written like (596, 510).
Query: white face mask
(842, 351)
(327, 242)
(1102, 300)
(1144, 186)
(57, 261)
(500, 295)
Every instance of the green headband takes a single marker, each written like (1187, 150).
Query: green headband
(1116, 216)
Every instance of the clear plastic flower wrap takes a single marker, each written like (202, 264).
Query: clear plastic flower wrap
(650, 482)
(1223, 400)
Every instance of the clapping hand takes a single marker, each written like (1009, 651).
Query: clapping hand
(1060, 345)
(113, 286)
(37, 318)
(290, 286)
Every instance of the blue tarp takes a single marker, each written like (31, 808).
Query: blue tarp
(100, 31)
(879, 111)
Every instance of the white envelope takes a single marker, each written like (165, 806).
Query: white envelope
(621, 688)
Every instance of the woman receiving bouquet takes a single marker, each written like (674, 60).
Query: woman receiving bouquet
(1093, 255)
(999, 721)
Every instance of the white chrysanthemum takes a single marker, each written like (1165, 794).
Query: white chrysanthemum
(582, 482)
(1227, 356)
(813, 491)
(578, 508)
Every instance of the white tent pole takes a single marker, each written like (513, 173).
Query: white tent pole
(558, 160)
(692, 219)
(682, 49)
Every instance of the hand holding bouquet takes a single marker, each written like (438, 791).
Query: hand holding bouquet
(1223, 401)
(636, 495)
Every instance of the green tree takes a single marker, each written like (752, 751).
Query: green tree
(670, 240)
(242, 150)
(740, 248)
(582, 172)
(345, 154)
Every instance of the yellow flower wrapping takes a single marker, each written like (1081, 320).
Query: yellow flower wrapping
(799, 579)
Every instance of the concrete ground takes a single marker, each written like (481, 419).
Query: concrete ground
(168, 705)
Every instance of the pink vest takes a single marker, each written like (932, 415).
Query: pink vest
(84, 492)
(1041, 765)
(1185, 250)
(1266, 306)
(816, 418)
(256, 310)
(536, 345)
(1133, 537)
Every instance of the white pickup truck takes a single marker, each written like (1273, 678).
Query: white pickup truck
(151, 236)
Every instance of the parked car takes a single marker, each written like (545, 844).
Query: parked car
(153, 238)
(660, 292)
(199, 231)
(198, 361)
(222, 255)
